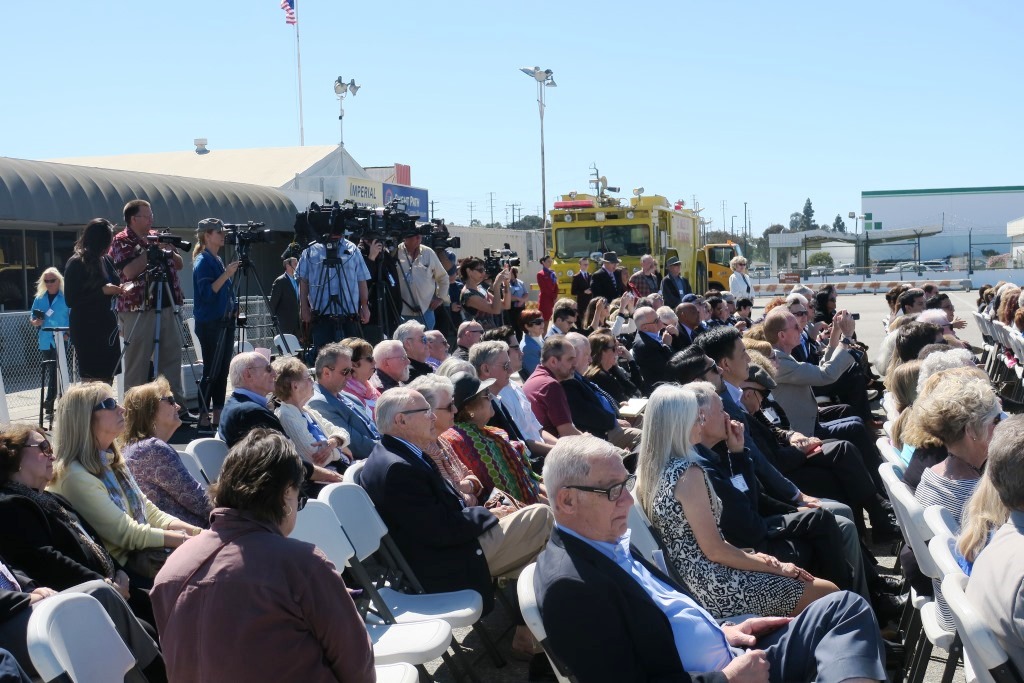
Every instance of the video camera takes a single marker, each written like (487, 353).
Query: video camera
(438, 236)
(495, 260)
(156, 258)
(242, 234)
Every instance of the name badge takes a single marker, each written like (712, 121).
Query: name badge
(739, 483)
(49, 312)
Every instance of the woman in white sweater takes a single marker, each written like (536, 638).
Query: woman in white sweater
(317, 440)
(739, 281)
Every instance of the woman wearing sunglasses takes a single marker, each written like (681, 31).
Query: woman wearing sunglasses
(317, 441)
(279, 609)
(151, 417)
(49, 310)
(91, 473)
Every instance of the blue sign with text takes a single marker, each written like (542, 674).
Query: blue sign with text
(415, 199)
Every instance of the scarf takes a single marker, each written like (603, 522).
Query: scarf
(489, 454)
(53, 508)
(124, 491)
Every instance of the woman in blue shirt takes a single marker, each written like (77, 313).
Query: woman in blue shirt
(215, 310)
(49, 310)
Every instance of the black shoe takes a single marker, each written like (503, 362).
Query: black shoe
(885, 533)
(888, 607)
(895, 655)
(188, 418)
(540, 669)
(889, 585)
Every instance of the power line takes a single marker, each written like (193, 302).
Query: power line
(471, 213)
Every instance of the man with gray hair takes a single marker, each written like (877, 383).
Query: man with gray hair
(470, 332)
(650, 347)
(392, 365)
(252, 380)
(449, 545)
(593, 409)
(333, 368)
(594, 590)
(646, 281)
(437, 348)
(491, 360)
(413, 336)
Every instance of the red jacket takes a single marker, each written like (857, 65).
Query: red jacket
(548, 282)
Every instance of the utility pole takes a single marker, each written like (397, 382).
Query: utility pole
(432, 209)
(514, 206)
(744, 227)
(492, 208)
(723, 214)
(471, 213)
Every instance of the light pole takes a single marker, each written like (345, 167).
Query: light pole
(856, 242)
(544, 80)
(341, 89)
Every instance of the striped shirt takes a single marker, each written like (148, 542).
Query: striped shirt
(951, 494)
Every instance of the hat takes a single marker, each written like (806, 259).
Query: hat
(208, 224)
(672, 262)
(610, 257)
(759, 376)
(468, 387)
(689, 298)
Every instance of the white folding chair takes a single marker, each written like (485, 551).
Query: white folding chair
(211, 454)
(396, 673)
(194, 468)
(242, 347)
(644, 541)
(888, 451)
(531, 615)
(353, 471)
(367, 533)
(414, 643)
(986, 657)
(940, 521)
(72, 633)
(287, 345)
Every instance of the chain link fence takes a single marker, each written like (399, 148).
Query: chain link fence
(21, 360)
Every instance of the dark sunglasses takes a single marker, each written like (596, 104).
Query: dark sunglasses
(43, 446)
(301, 502)
(169, 400)
(613, 492)
(106, 404)
(711, 368)
(50, 281)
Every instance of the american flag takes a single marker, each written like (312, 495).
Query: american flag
(289, 11)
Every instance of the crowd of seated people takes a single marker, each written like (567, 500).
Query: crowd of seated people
(763, 498)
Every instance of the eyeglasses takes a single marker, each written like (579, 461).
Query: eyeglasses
(450, 408)
(169, 400)
(51, 281)
(800, 314)
(106, 404)
(507, 366)
(428, 409)
(613, 492)
(301, 503)
(479, 270)
(424, 339)
(532, 323)
(998, 418)
(711, 368)
(475, 331)
(44, 447)
(265, 367)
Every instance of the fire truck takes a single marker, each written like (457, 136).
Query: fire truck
(589, 225)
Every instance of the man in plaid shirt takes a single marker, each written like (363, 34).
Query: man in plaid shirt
(646, 281)
(136, 307)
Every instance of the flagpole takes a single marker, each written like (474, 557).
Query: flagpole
(298, 66)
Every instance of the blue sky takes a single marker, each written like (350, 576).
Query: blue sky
(765, 103)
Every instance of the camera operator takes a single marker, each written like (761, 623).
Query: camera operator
(136, 306)
(383, 290)
(215, 311)
(423, 281)
(333, 298)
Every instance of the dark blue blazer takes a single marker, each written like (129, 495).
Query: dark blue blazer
(341, 412)
(652, 356)
(426, 517)
(241, 415)
(601, 623)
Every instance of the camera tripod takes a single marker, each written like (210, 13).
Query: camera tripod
(245, 269)
(334, 307)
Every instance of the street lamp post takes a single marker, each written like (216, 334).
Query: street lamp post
(544, 80)
(856, 243)
(341, 89)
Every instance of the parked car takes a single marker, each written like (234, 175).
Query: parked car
(845, 269)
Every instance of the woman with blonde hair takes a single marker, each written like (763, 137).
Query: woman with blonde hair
(215, 311)
(984, 514)
(739, 283)
(358, 385)
(678, 498)
(595, 316)
(1008, 304)
(49, 310)
(901, 381)
(92, 475)
(151, 418)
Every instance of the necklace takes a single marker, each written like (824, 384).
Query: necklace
(976, 470)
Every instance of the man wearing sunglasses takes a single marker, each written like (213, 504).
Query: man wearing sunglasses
(252, 381)
(333, 369)
(611, 616)
(413, 336)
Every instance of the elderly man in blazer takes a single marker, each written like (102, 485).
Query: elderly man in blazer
(610, 616)
(448, 545)
(649, 349)
(252, 380)
(333, 368)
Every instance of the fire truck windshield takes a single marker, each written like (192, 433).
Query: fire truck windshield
(624, 240)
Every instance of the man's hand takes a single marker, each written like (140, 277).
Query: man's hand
(848, 325)
(750, 667)
(122, 583)
(747, 633)
(40, 593)
(375, 249)
(364, 313)
(958, 324)
(734, 438)
(304, 313)
(808, 501)
(435, 302)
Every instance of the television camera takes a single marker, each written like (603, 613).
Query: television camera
(495, 260)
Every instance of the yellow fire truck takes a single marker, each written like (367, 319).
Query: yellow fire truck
(588, 225)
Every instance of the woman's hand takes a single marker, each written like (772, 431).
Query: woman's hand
(322, 452)
(36, 322)
(325, 475)
(122, 583)
(113, 290)
(375, 248)
(794, 572)
(232, 268)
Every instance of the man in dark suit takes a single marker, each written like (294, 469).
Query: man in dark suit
(333, 367)
(252, 380)
(450, 546)
(674, 286)
(594, 410)
(606, 281)
(581, 286)
(284, 298)
(610, 616)
(649, 349)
